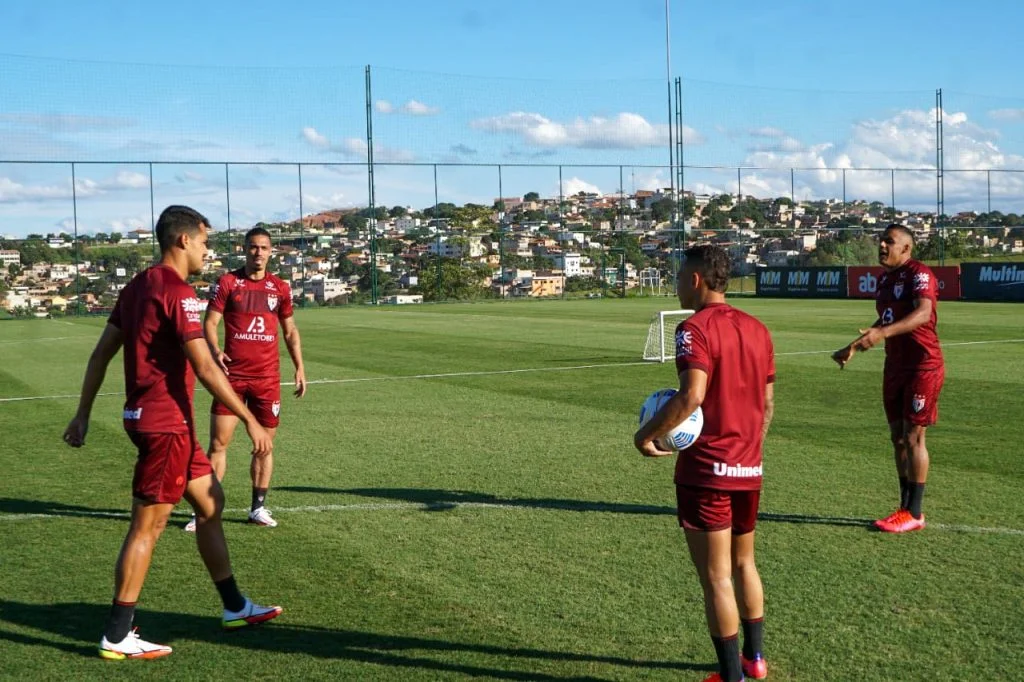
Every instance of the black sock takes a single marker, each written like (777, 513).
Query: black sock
(904, 493)
(229, 594)
(914, 497)
(728, 651)
(753, 638)
(258, 496)
(119, 623)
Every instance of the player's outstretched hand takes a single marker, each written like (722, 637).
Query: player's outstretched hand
(869, 338)
(843, 355)
(262, 444)
(74, 434)
(300, 383)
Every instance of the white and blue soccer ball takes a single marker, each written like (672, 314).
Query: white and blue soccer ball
(682, 436)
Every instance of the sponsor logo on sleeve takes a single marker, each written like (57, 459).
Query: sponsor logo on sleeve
(193, 308)
(921, 281)
(684, 341)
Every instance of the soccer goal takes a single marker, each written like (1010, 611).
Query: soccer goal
(661, 342)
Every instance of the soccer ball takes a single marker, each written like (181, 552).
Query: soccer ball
(682, 436)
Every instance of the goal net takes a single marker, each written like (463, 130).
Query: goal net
(661, 342)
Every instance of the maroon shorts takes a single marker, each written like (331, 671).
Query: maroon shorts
(913, 396)
(705, 509)
(261, 395)
(166, 463)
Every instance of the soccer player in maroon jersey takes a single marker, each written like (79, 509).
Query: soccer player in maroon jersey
(906, 302)
(156, 319)
(252, 302)
(726, 365)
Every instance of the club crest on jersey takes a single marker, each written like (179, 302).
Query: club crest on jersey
(897, 290)
(272, 302)
(918, 403)
(276, 408)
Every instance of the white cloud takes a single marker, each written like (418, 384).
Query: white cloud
(12, 191)
(354, 148)
(383, 106)
(314, 138)
(66, 122)
(906, 141)
(575, 185)
(1013, 115)
(767, 131)
(622, 131)
(416, 108)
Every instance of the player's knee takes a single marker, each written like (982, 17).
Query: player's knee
(898, 438)
(915, 437)
(743, 564)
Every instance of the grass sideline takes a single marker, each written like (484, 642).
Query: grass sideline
(502, 527)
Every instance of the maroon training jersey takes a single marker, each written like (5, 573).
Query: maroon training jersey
(897, 292)
(735, 349)
(251, 310)
(157, 312)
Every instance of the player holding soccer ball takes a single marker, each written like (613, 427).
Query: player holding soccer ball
(726, 365)
(252, 302)
(156, 319)
(906, 302)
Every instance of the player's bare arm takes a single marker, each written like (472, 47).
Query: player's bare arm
(210, 324)
(216, 382)
(294, 344)
(875, 335)
(106, 348)
(769, 408)
(693, 385)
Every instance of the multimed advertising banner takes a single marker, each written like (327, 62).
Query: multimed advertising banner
(992, 281)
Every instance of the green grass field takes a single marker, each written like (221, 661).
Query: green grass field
(500, 525)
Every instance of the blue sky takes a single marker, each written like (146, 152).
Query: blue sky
(821, 86)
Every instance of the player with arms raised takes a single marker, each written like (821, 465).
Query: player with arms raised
(252, 302)
(156, 319)
(906, 302)
(726, 365)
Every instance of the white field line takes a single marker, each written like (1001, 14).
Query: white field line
(765, 517)
(45, 338)
(449, 375)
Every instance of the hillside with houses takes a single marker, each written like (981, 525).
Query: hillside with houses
(518, 247)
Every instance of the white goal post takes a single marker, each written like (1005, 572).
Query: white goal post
(661, 342)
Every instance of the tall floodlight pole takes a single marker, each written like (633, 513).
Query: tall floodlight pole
(668, 86)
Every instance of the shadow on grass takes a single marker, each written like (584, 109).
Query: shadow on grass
(84, 623)
(444, 500)
(27, 509)
(31, 508)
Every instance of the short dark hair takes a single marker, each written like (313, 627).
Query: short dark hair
(713, 264)
(176, 221)
(256, 232)
(901, 228)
